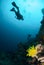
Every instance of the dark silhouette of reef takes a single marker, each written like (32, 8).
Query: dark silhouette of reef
(19, 16)
(40, 35)
(19, 57)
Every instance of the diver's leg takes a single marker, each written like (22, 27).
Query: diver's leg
(15, 11)
(18, 11)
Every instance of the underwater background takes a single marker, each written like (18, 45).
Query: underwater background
(16, 35)
(14, 31)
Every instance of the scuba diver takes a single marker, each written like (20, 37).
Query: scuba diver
(17, 13)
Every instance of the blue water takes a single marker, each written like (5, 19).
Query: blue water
(14, 31)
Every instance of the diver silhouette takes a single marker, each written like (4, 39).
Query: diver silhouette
(17, 13)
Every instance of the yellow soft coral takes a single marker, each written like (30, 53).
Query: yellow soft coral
(31, 51)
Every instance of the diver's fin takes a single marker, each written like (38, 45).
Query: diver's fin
(14, 4)
(12, 9)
